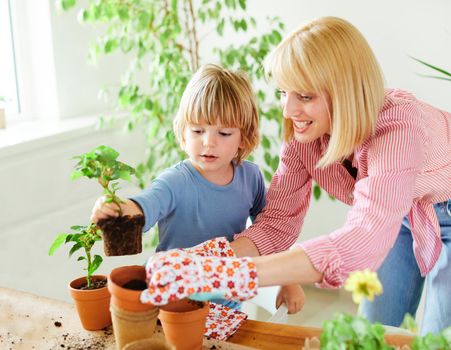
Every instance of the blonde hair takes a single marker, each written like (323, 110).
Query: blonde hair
(329, 56)
(216, 95)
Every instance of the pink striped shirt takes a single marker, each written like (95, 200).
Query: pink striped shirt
(402, 170)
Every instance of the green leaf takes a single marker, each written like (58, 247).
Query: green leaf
(76, 174)
(431, 66)
(275, 163)
(75, 248)
(266, 143)
(125, 175)
(95, 263)
(67, 4)
(59, 240)
(110, 46)
(267, 175)
(316, 191)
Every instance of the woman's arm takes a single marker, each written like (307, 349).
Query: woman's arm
(278, 226)
(285, 268)
(244, 247)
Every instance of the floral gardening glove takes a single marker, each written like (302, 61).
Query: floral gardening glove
(176, 274)
(219, 246)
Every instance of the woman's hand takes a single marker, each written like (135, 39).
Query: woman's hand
(177, 274)
(104, 210)
(292, 296)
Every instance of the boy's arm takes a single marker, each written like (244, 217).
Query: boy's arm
(292, 296)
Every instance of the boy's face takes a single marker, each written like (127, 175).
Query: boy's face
(211, 149)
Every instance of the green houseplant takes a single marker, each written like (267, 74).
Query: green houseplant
(163, 40)
(121, 235)
(82, 237)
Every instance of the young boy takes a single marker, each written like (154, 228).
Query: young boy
(213, 192)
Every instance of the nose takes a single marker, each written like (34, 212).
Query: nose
(209, 139)
(291, 106)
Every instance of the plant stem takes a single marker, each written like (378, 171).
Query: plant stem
(88, 258)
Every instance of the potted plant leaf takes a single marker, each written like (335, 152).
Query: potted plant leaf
(121, 235)
(90, 293)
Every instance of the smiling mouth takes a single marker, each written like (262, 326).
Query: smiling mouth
(208, 156)
(302, 124)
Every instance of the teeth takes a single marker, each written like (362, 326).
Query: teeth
(302, 124)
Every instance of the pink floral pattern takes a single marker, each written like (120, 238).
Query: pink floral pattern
(219, 246)
(222, 321)
(177, 274)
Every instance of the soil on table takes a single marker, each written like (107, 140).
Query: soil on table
(122, 235)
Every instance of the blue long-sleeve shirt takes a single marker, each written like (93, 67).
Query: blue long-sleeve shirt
(189, 209)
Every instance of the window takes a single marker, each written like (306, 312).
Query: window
(8, 72)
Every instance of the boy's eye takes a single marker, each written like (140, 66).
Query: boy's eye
(223, 133)
(197, 131)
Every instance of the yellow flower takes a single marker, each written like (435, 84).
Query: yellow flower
(363, 284)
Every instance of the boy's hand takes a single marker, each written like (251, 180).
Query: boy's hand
(219, 246)
(104, 210)
(176, 274)
(292, 296)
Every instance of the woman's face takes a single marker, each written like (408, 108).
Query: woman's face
(309, 113)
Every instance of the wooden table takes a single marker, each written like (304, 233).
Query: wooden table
(29, 322)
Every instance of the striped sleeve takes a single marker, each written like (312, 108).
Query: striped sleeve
(277, 227)
(381, 200)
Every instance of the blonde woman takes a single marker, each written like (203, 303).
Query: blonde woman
(381, 151)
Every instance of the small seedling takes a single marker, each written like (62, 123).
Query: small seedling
(81, 237)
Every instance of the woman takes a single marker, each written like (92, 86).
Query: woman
(382, 151)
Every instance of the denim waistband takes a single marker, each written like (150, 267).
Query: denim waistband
(445, 206)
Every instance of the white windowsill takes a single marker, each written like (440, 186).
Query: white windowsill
(27, 136)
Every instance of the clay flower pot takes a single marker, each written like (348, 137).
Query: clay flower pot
(122, 235)
(132, 320)
(93, 305)
(184, 323)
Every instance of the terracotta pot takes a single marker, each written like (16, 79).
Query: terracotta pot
(122, 235)
(184, 323)
(124, 298)
(149, 344)
(93, 306)
(132, 320)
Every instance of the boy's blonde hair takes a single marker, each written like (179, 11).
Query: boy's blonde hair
(329, 56)
(216, 95)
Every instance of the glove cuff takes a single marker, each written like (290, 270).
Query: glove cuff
(218, 246)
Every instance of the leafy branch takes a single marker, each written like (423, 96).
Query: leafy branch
(163, 40)
(102, 164)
